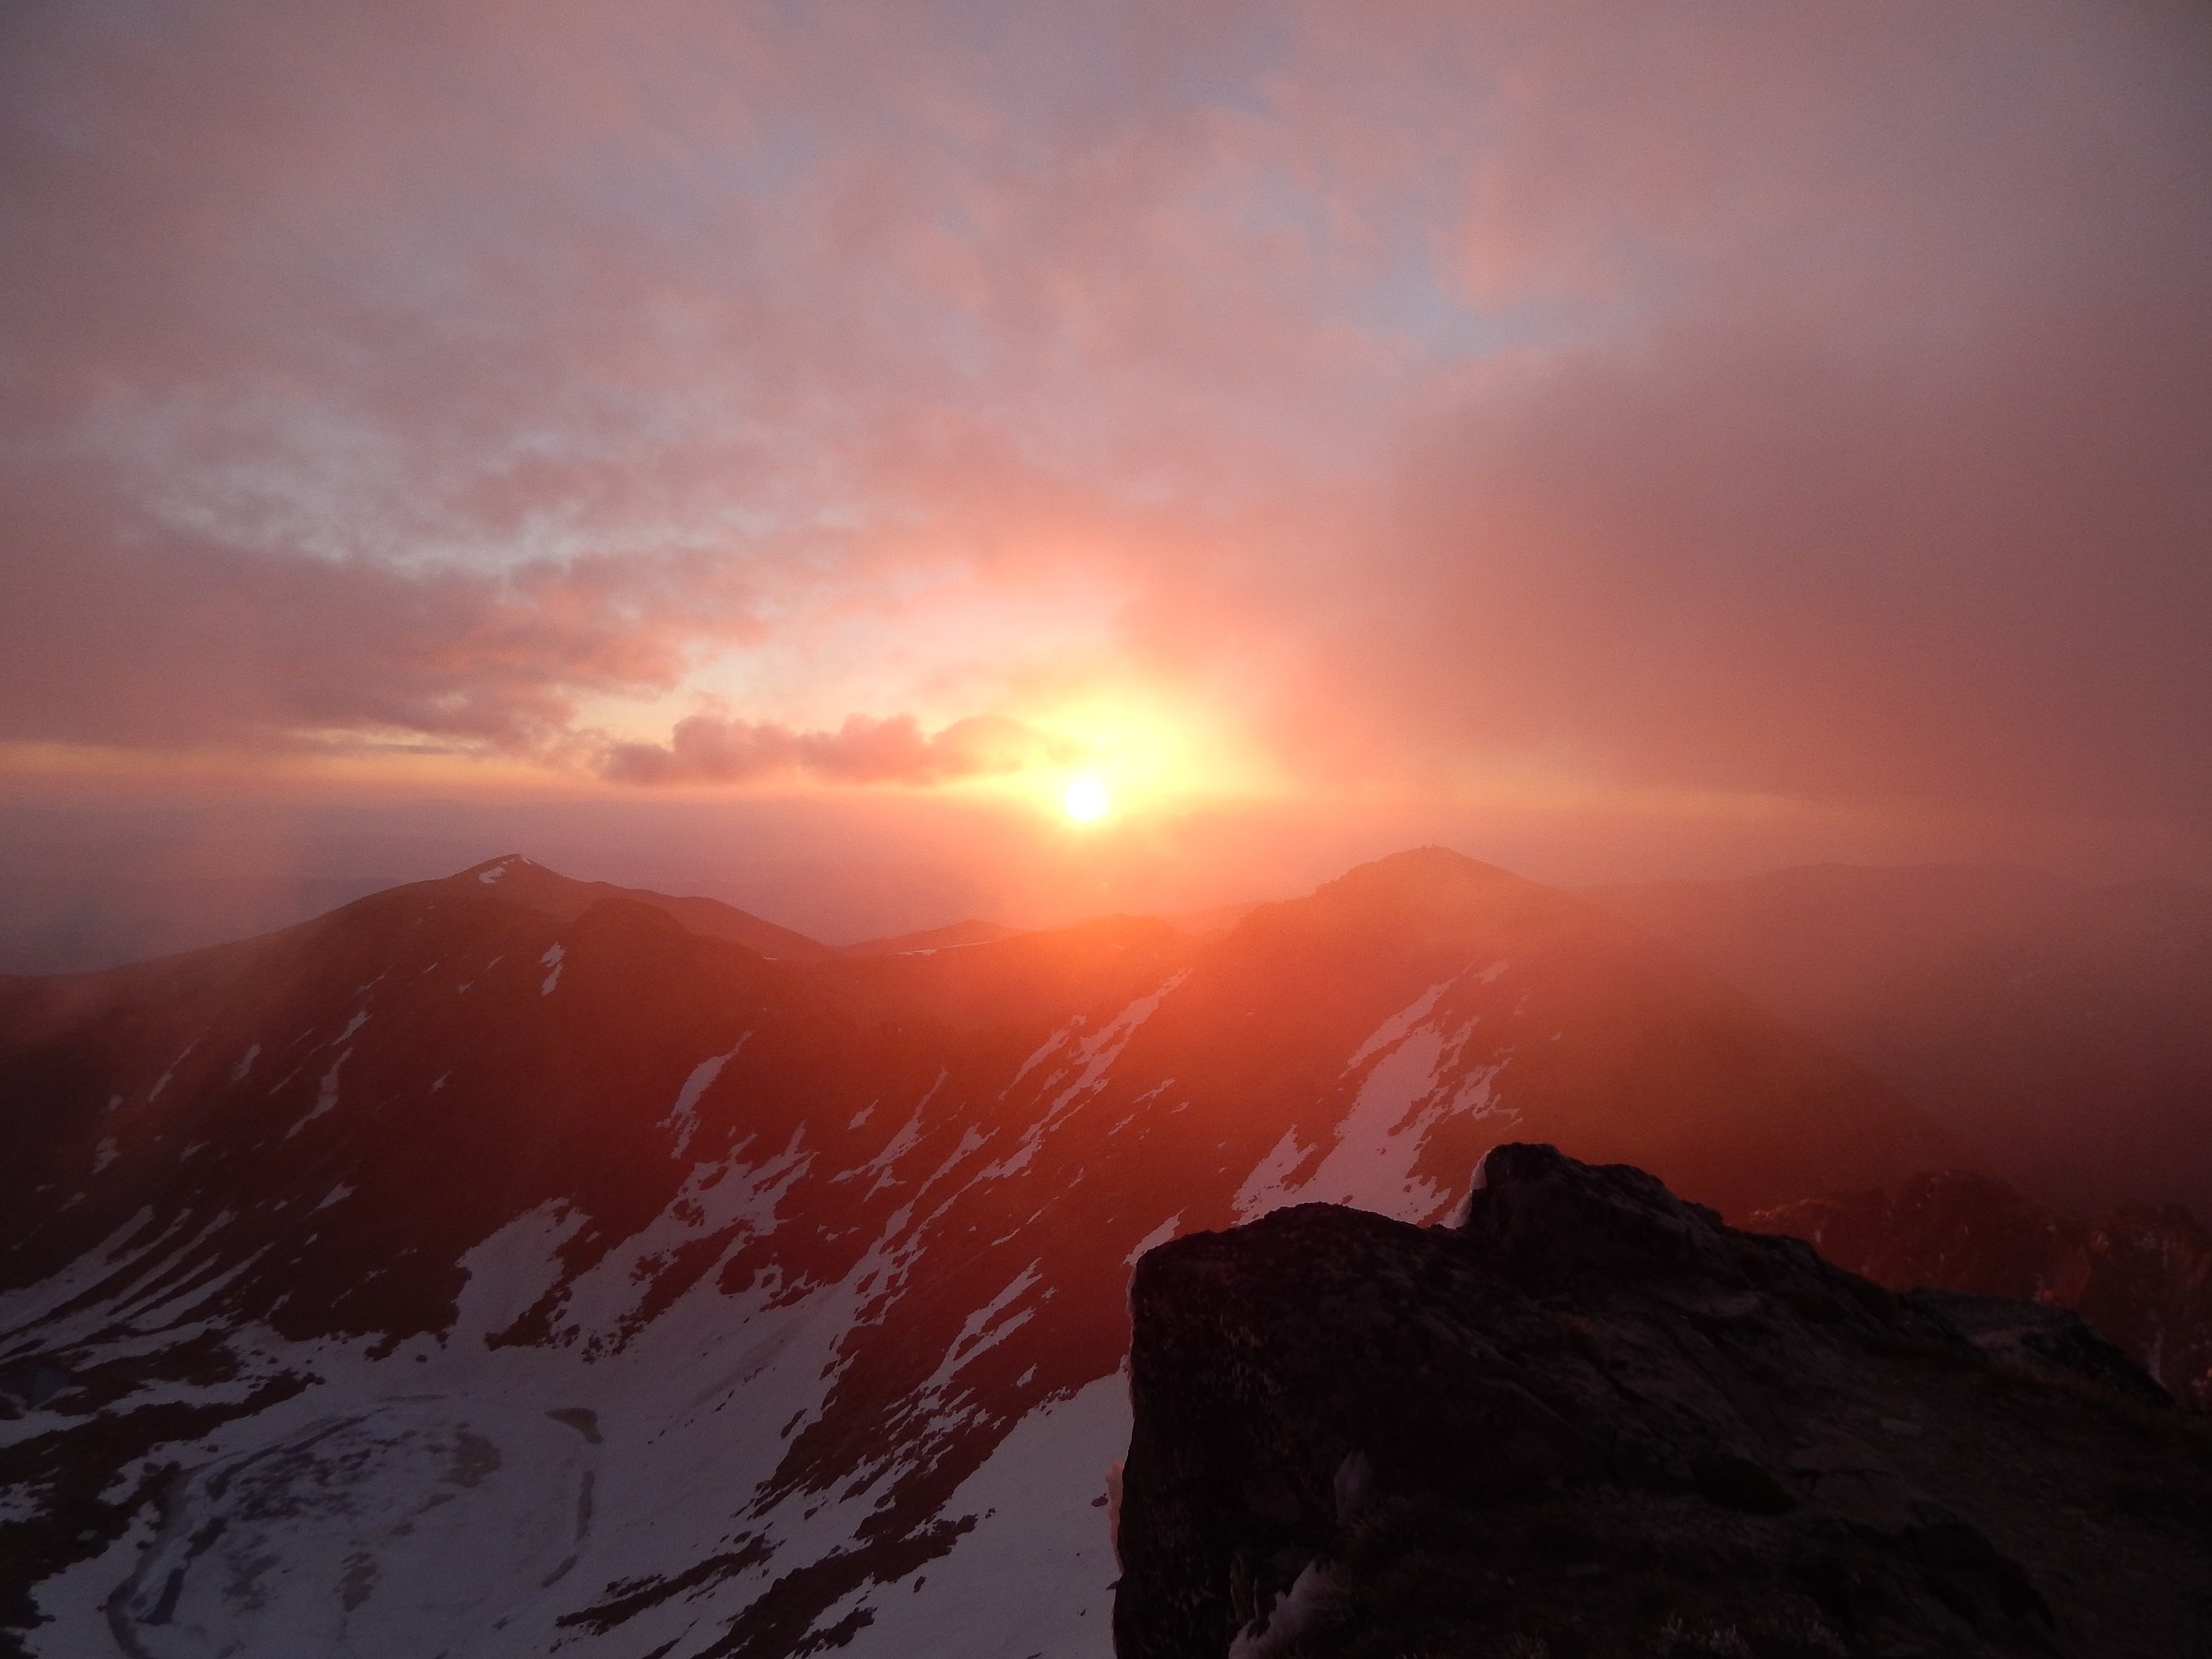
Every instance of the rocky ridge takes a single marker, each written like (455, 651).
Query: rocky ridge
(1587, 1420)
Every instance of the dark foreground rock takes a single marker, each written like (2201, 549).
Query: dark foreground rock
(1591, 1421)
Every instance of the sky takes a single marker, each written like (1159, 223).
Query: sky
(1615, 439)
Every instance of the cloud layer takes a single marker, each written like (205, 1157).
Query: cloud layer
(706, 749)
(1749, 403)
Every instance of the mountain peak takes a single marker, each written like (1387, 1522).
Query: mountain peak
(530, 886)
(1439, 880)
(494, 870)
(1428, 865)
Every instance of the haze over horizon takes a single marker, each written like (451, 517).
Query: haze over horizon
(781, 451)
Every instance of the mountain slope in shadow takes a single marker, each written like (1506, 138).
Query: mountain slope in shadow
(2062, 1031)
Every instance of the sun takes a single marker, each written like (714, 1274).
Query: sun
(1086, 800)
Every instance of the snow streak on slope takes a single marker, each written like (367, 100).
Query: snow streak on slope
(1034, 1575)
(1078, 1077)
(683, 1115)
(1414, 1072)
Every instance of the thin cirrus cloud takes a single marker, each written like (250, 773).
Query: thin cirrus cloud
(706, 748)
(1799, 402)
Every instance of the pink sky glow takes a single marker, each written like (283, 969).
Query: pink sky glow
(1612, 440)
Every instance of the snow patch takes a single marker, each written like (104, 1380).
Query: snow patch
(20, 1505)
(1268, 1185)
(32, 1305)
(1310, 1593)
(1416, 1079)
(1095, 1056)
(410, 1527)
(1409, 1091)
(976, 1335)
(512, 1269)
(161, 1082)
(553, 958)
(1045, 1050)
(325, 1097)
(1035, 1574)
(1393, 1031)
(684, 1116)
(1159, 1235)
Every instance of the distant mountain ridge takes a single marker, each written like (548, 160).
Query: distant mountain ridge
(2142, 1277)
(513, 879)
(810, 1269)
(954, 936)
(2063, 1031)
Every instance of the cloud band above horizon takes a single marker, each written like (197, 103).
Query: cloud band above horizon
(705, 748)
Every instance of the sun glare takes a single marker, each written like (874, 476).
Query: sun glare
(1086, 800)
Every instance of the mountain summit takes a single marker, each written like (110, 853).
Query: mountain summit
(514, 879)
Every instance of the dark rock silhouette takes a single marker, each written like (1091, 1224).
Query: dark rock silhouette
(1589, 1419)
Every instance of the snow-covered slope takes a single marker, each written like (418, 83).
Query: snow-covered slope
(445, 1275)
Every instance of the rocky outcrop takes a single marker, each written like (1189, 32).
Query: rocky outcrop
(1587, 1419)
(2143, 1277)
